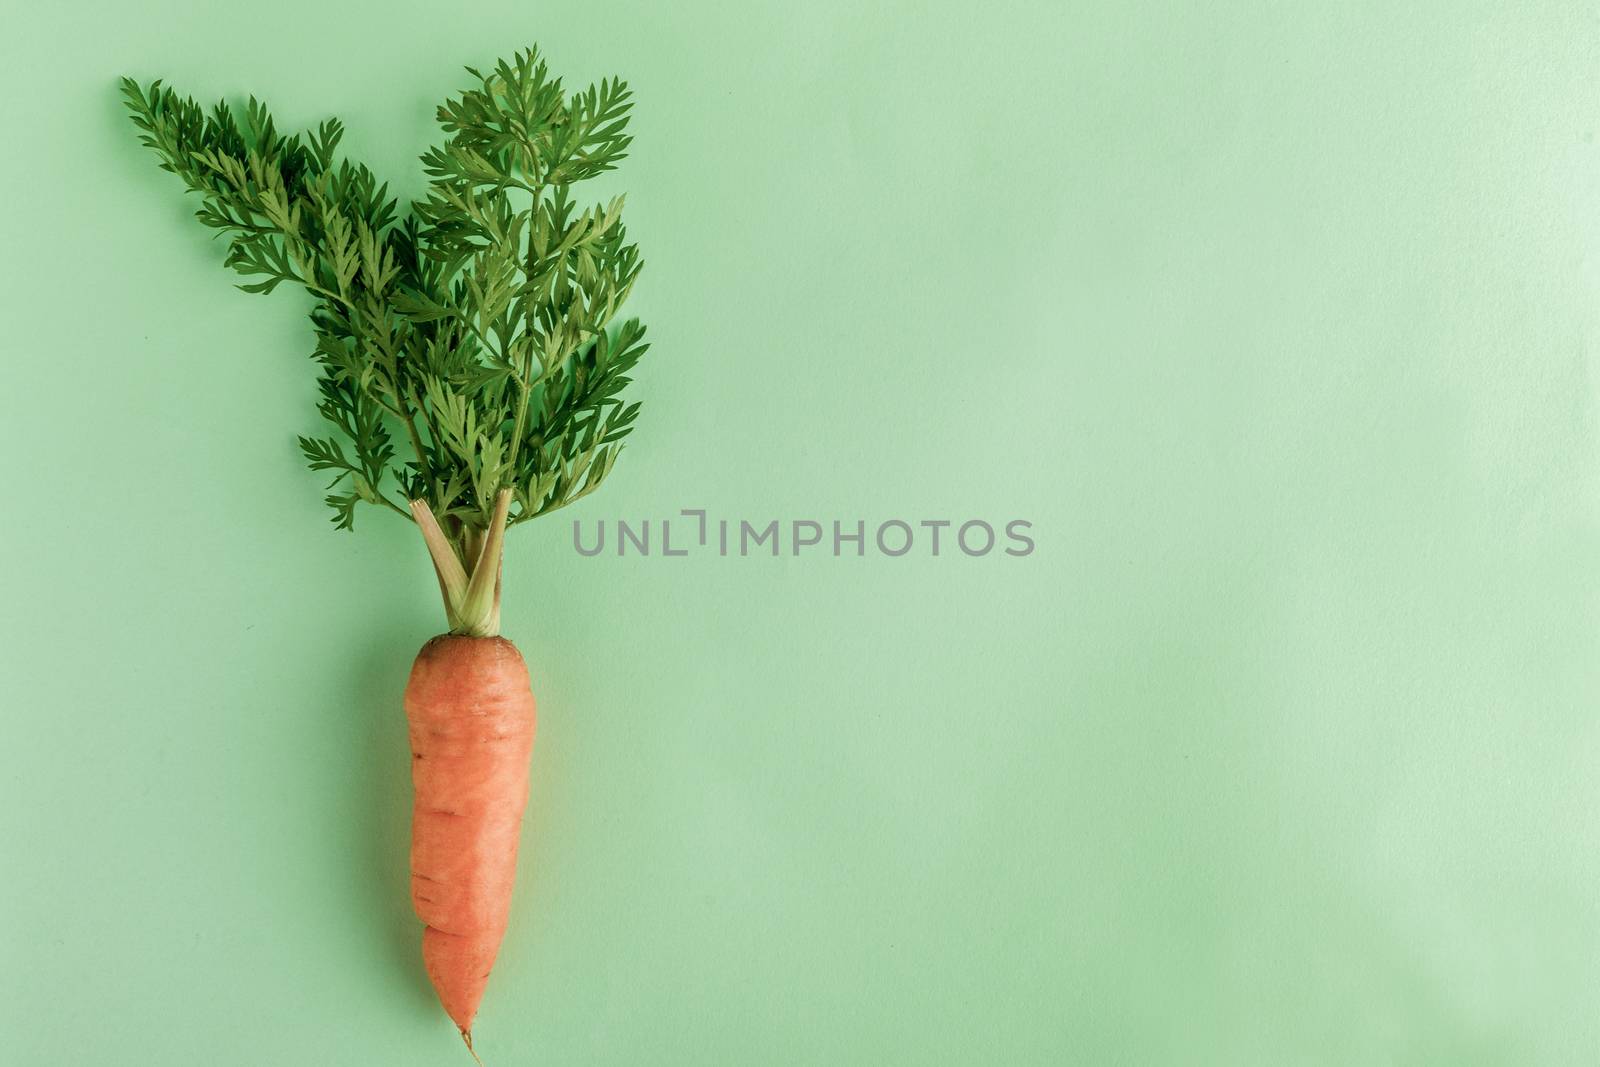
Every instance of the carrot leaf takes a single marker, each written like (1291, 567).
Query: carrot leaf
(478, 325)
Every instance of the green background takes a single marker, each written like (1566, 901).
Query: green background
(1278, 322)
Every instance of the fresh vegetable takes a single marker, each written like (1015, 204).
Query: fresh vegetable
(471, 717)
(476, 329)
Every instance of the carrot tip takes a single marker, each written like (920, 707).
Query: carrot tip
(466, 1035)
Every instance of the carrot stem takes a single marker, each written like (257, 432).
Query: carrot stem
(471, 601)
(452, 576)
(480, 614)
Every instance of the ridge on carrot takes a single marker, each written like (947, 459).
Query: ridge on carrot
(475, 329)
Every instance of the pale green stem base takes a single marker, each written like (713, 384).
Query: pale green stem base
(471, 599)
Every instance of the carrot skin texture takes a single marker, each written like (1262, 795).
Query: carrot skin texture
(470, 712)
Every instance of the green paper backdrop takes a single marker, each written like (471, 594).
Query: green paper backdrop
(1278, 323)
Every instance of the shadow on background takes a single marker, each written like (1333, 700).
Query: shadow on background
(379, 789)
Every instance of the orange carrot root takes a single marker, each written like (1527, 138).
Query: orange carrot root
(471, 718)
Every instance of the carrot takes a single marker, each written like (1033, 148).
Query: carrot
(471, 717)
(470, 714)
(474, 329)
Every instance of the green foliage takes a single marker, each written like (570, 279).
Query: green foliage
(478, 326)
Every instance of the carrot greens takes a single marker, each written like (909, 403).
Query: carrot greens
(474, 331)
